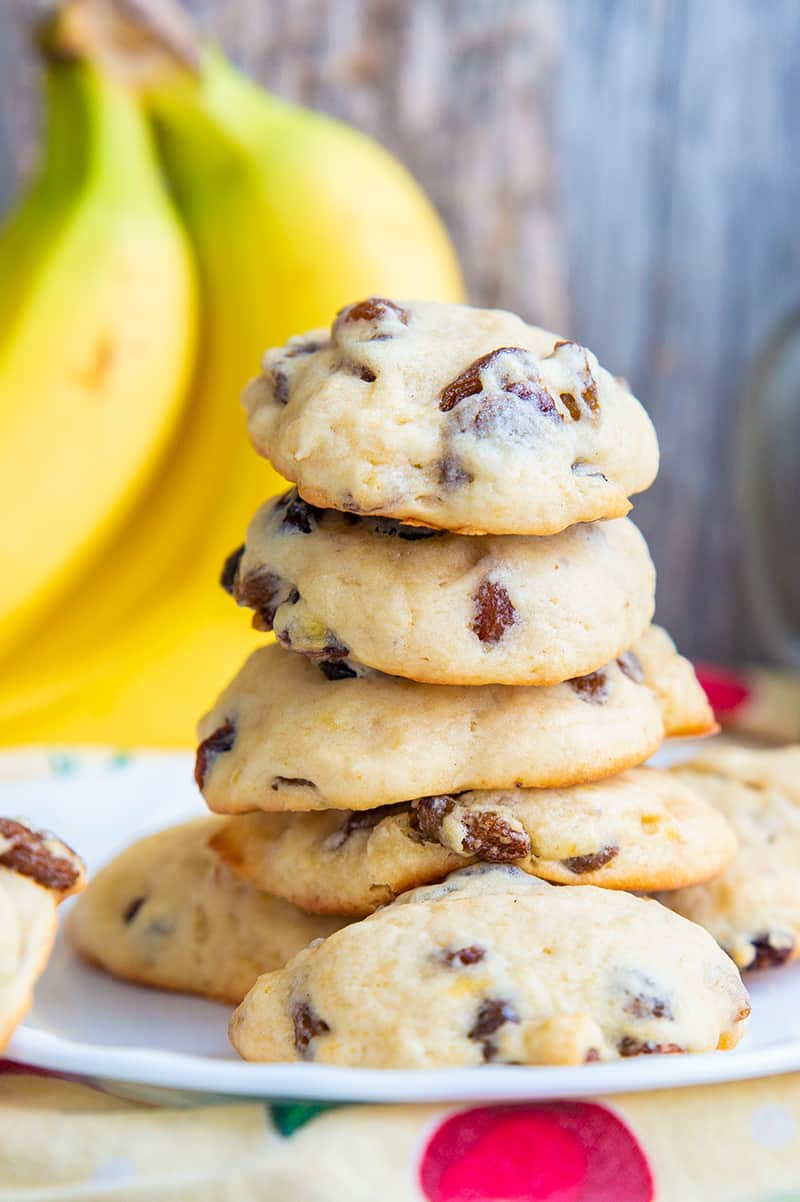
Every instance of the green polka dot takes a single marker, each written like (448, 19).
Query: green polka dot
(289, 1117)
(63, 765)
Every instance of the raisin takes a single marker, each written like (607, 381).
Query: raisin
(644, 1000)
(332, 649)
(470, 384)
(631, 666)
(635, 1047)
(307, 1026)
(572, 406)
(359, 369)
(589, 387)
(298, 514)
(293, 350)
(768, 956)
(592, 861)
(592, 688)
(461, 956)
(409, 534)
(280, 385)
(363, 820)
(30, 856)
(217, 743)
(451, 472)
(298, 782)
(428, 815)
(492, 837)
(262, 591)
(337, 669)
(375, 309)
(230, 567)
(133, 909)
(492, 1014)
(582, 468)
(494, 613)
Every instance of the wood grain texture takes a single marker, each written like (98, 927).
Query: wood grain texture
(622, 171)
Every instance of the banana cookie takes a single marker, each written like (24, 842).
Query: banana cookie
(167, 913)
(641, 830)
(454, 609)
(452, 417)
(753, 908)
(37, 871)
(288, 734)
(511, 971)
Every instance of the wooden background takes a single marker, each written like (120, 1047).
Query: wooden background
(624, 171)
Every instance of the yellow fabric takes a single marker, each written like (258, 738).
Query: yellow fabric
(63, 1142)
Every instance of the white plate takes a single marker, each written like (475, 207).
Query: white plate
(87, 1023)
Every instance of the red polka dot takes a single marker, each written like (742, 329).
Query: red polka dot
(725, 690)
(548, 1152)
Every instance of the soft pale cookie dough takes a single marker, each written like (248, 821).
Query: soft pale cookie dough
(447, 416)
(444, 608)
(283, 736)
(641, 830)
(499, 968)
(167, 913)
(753, 908)
(37, 871)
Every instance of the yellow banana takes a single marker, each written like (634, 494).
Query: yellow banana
(291, 215)
(98, 320)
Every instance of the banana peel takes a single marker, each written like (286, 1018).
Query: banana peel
(93, 363)
(291, 215)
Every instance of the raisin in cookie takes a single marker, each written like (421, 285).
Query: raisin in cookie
(753, 908)
(447, 416)
(167, 913)
(37, 871)
(641, 830)
(288, 734)
(510, 970)
(501, 609)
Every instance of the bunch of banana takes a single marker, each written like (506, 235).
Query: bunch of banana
(290, 215)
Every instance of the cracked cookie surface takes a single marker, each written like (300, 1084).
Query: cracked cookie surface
(288, 734)
(495, 966)
(452, 417)
(454, 609)
(167, 913)
(753, 908)
(641, 830)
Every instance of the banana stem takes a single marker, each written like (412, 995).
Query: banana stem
(135, 40)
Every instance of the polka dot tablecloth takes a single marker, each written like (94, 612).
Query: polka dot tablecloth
(61, 1141)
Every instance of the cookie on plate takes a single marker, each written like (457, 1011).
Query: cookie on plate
(288, 734)
(508, 970)
(454, 609)
(37, 871)
(753, 908)
(447, 416)
(167, 913)
(641, 830)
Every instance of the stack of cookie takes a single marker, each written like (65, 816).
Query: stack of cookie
(465, 680)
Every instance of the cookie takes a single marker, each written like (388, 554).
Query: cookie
(288, 734)
(447, 416)
(509, 971)
(454, 609)
(753, 908)
(642, 830)
(167, 913)
(37, 871)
